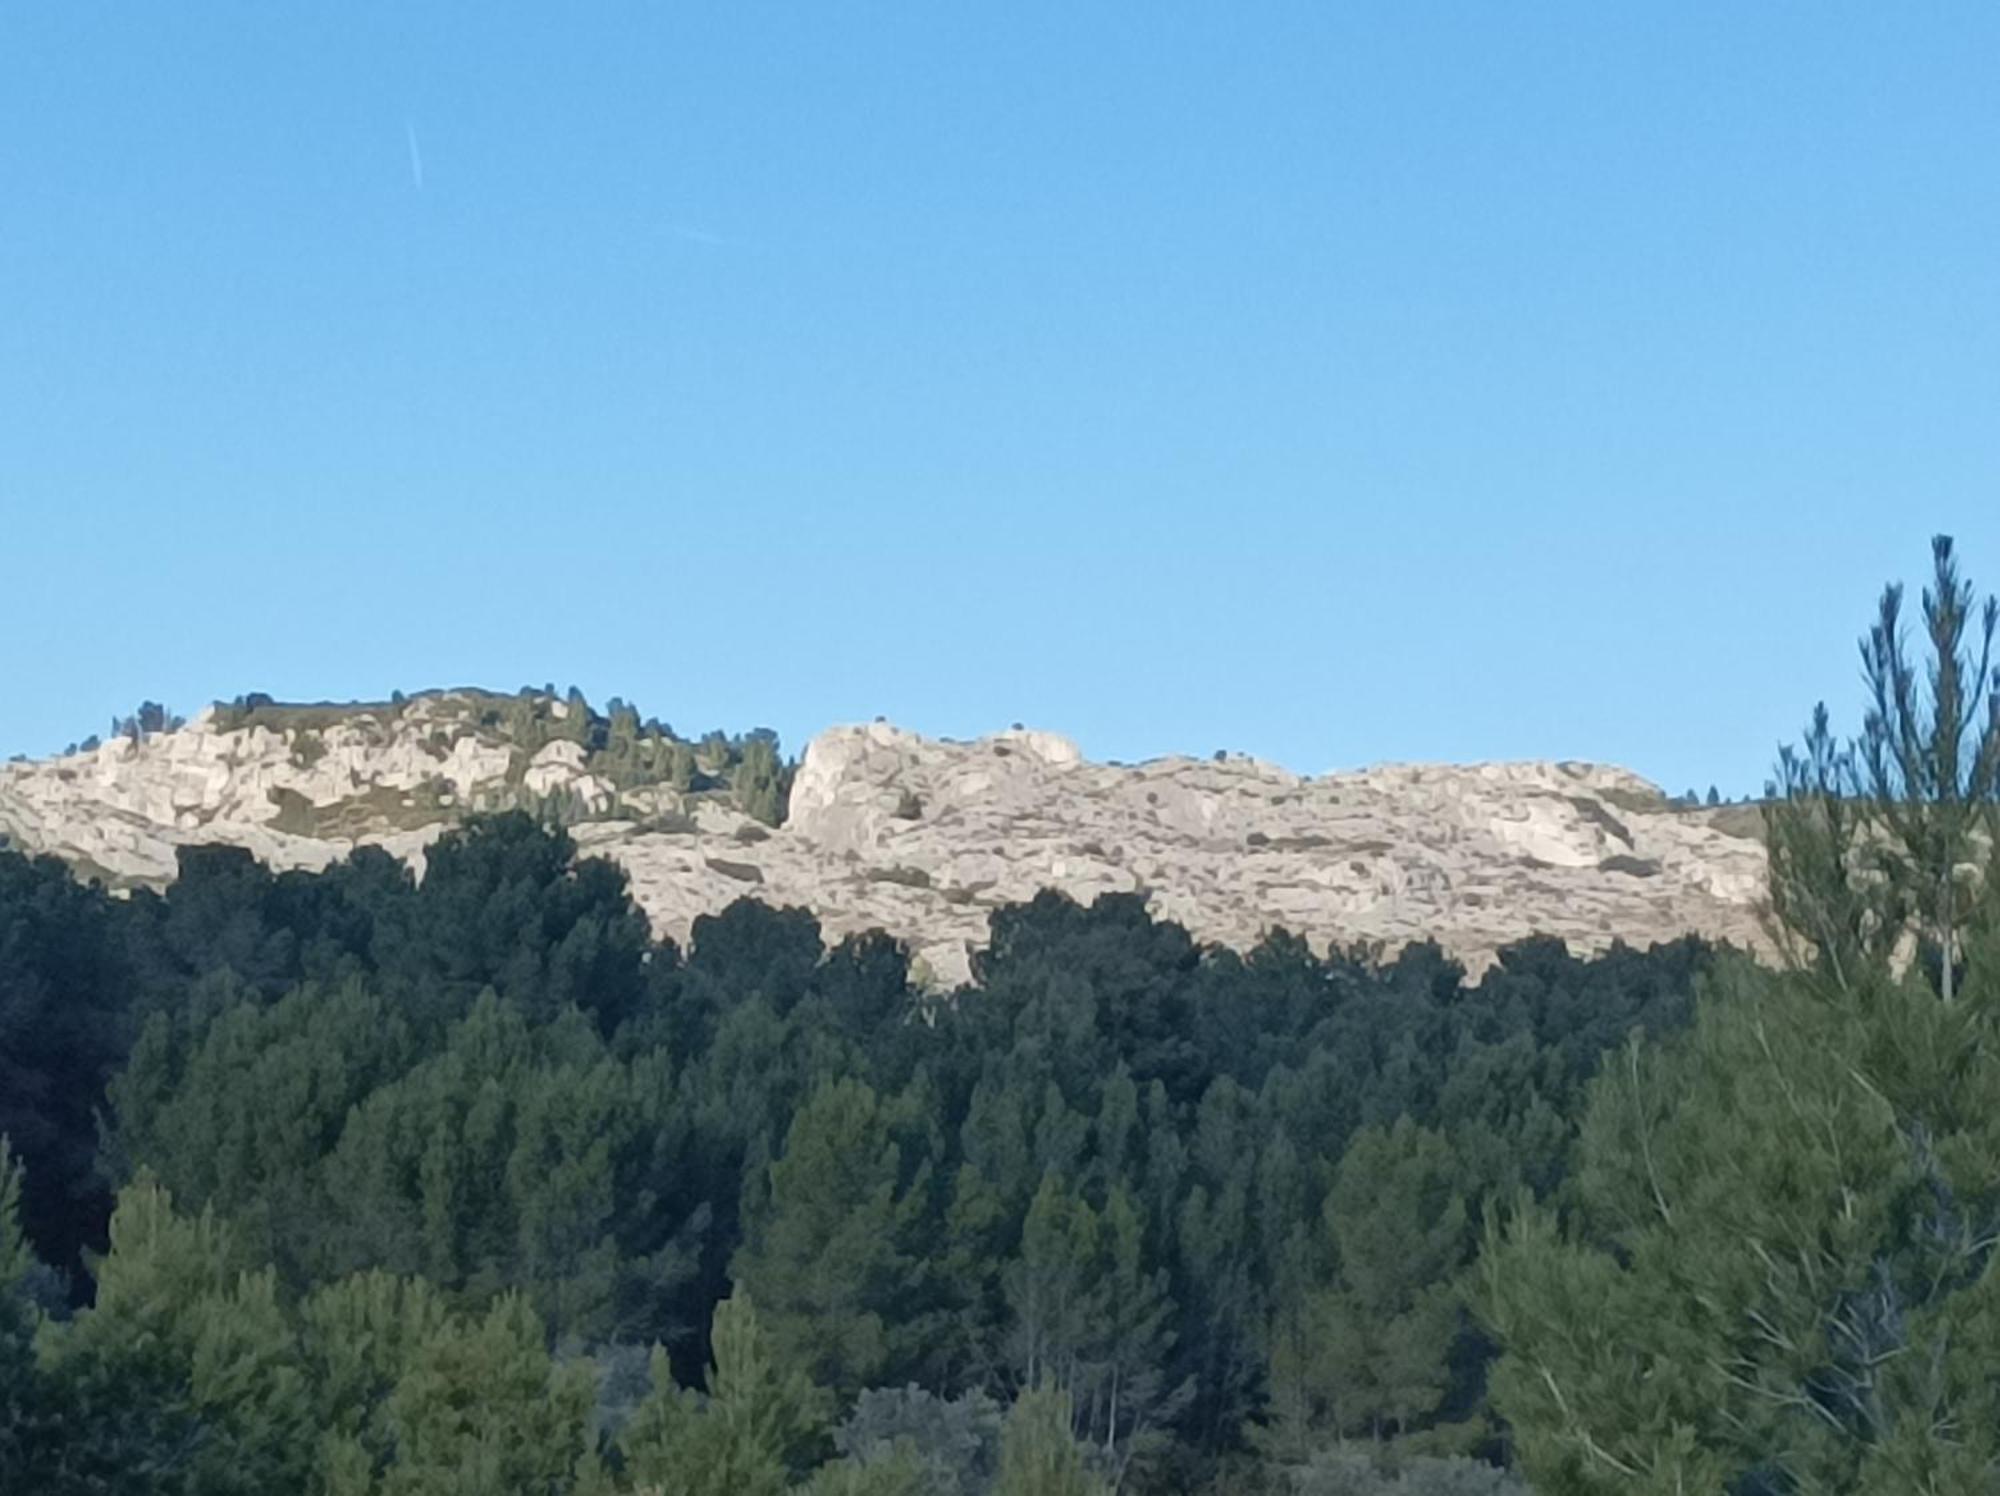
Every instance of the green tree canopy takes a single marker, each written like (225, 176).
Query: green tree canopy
(831, 1253)
(1774, 1271)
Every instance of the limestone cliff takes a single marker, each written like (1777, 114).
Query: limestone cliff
(923, 837)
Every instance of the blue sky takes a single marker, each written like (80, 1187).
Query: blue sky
(1337, 383)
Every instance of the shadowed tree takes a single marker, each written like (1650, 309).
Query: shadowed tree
(829, 1250)
(752, 1430)
(1776, 1271)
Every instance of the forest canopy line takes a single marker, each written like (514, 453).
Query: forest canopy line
(1154, 1178)
(344, 1182)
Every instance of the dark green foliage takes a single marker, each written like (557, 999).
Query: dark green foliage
(184, 1375)
(1774, 1271)
(516, 1156)
(64, 1026)
(1194, 1198)
(480, 1407)
(1356, 1473)
(28, 1429)
(1090, 1314)
(619, 747)
(457, 1157)
(1780, 1253)
(506, 905)
(1363, 1332)
(747, 770)
(151, 718)
(762, 781)
(955, 1443)
(893, 1472)
(832, 1244)
(755, 1427)
(193, 1374)
(239, 1112)
(1038, 1455)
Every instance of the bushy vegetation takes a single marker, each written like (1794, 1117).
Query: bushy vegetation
(616, 745)
(1219, 1205)
(1774, 1268)
(340, 1182)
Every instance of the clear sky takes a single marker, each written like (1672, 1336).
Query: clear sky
(1337, 383)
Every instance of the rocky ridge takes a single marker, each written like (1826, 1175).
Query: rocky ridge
(923, 837)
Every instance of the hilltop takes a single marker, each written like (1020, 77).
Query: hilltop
(880, 827)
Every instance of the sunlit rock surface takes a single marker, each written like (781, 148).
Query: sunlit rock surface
(923, 837)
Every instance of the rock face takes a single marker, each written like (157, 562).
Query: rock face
(923, 837)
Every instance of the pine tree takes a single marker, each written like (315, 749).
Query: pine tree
(760, 781)
(1090, 1317)
(360, 1335)
(1217, 1258)
(65, 982)
(1038, 1454)
(15, 1258)
(955, 1441)
(1053, 1290)
(239, 1115)
(1777, 1271)
(1893, 838)
(828, 1250)
(1932, 758)
(1133, 1396)
(1399, 1228)
(1363, 1343)
(898, 1472)
(756, 1426)
(1779, 1268)
(481, 1408)
(25, 1426)
(184, 1376)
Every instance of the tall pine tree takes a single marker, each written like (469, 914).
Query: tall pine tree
(1778, 1270)
(829, 1252)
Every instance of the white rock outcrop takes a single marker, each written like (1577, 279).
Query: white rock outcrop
(924, 838)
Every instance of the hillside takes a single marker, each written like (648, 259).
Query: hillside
(918, 836)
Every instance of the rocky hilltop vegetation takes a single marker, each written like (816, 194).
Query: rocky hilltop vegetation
(918, 836)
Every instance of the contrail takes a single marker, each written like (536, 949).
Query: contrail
(416, 158)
